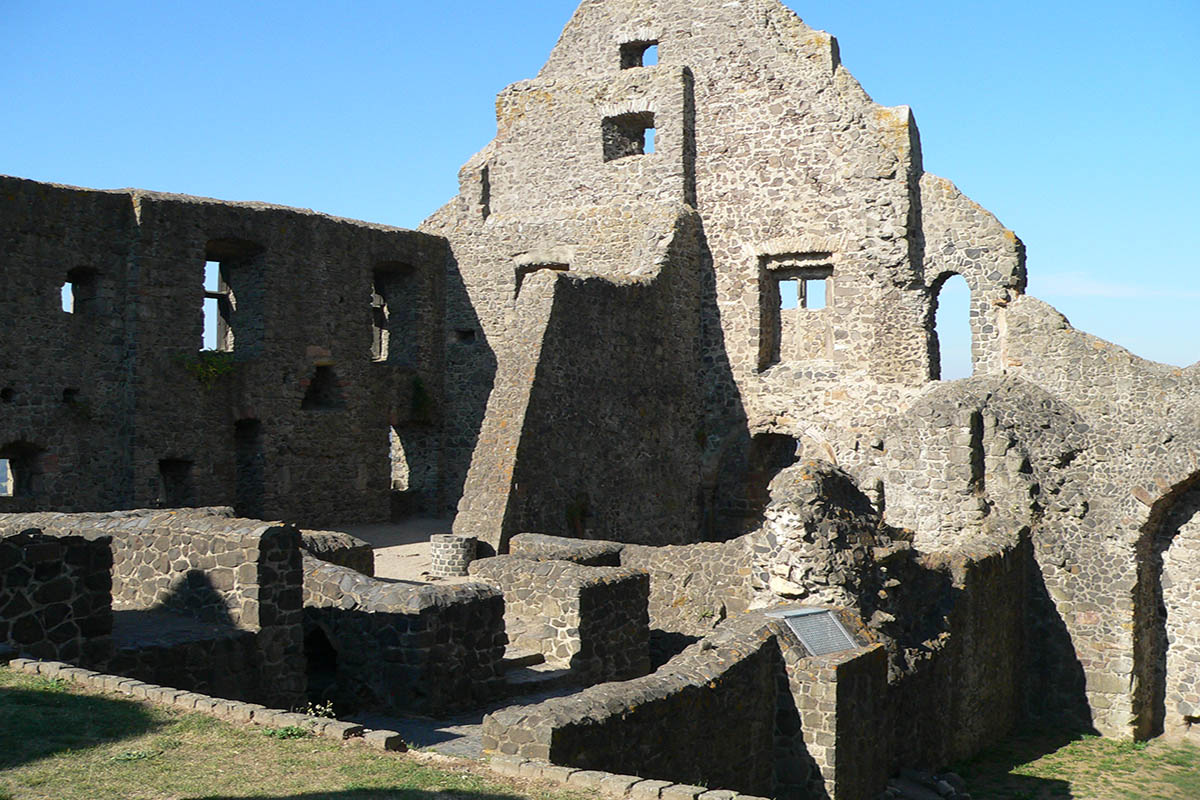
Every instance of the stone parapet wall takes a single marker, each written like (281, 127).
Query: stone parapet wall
(842, 746)
(55, 596)
(706, 718)
(409, 648)
(973, 678)
(592, 620)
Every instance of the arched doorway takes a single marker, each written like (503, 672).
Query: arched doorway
(1167, 616)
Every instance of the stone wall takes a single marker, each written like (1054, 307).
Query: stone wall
(971, 681)
(707, 720)
(112, 405)
(340, 548)
(55, 598)
(207, 577)
(841, 745)
(559, 399)
(592, 620)
(692, 587)
(409, 648)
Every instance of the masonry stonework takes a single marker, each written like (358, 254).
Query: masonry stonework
(672, 347)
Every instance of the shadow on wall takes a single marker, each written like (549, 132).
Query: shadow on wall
(196, 596)
(470, 371)
(1056, 689)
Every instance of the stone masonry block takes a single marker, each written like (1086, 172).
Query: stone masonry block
(587, 779)
(682, 792)
(386, 740)
(618, 785)
(508, 765)
(648, 790)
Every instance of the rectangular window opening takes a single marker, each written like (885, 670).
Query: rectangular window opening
(395, 300)
(235, 277)
(218, 310)
(175, 482)
(791, 285)
(465, 336)
(485, 192)
(789, 294)
(814, 293)
(628, 135)
(6, 479)
(68, 297)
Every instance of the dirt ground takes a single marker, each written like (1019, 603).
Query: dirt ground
(402, 548)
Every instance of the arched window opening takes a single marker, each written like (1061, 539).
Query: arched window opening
(950, 341)
(1166, 645)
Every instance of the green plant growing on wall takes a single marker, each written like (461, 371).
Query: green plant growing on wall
(209, 366)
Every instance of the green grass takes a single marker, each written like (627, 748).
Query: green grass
(59, 741)
(1049, 767)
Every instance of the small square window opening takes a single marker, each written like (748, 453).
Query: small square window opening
(628, 135)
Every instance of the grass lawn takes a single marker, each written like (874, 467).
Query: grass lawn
(60, 741)
(1034, 767)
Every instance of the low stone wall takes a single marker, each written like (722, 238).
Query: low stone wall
(693, 587)
(206, 566)
(971, 681)
(841, 747)
(408, 648)
(341, 549)
(592, 620)
(55, 596)
(707, 718)
(159, 647)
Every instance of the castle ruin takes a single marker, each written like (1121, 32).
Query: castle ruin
(587, 357)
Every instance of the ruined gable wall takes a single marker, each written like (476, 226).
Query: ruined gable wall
(788, 147)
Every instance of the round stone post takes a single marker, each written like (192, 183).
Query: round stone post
(451, 554)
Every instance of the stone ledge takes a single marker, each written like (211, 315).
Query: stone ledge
(607, 784)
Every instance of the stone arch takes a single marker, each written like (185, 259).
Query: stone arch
(1166, 614)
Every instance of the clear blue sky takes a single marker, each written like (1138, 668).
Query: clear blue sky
(1075, 123)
